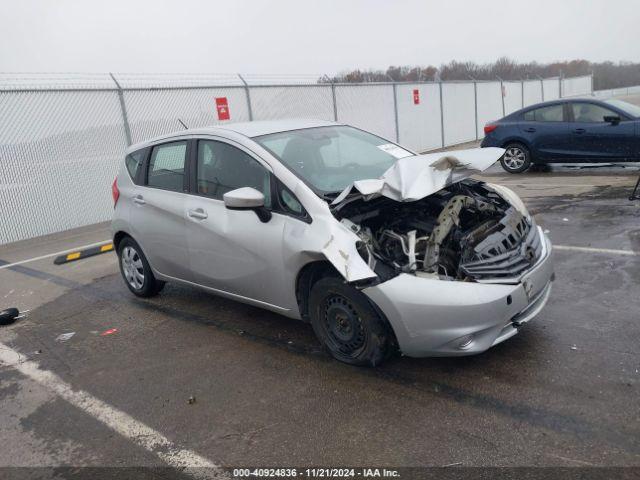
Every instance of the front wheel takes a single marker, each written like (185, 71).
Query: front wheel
(516, 158)
(347, 324)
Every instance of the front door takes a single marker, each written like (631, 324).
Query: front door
(232, 250)
(596, 139)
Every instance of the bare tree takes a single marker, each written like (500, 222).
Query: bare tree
(606, 74)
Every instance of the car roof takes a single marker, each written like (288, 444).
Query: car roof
(247, 129)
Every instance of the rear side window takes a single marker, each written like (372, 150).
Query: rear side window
(553, 113)
(133, 162)
(166, 166)
(590, 112)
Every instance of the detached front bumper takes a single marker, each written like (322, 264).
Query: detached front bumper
(432, 317)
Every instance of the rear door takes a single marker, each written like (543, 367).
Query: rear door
(547, 131)
(158, 209)
(595, 139)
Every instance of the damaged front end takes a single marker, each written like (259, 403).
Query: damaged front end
(456, 265)
(466, 231)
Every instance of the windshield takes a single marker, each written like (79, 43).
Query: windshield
(329, 159)
(626, 107)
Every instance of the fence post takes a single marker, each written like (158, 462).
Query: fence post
(475, 101)
(502, 95)
(395, 112)
(522, 92)
(441, 115)
(541, 86)
(248, 94)
(560, 84)
(335, 103)
(123, 110)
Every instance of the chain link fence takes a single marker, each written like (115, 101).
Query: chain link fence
(62, 135)
(617, 92)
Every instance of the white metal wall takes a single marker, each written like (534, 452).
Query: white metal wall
(59, 153)
(271, 103)
(62, 136)
(575, 86)
(615, 92)
(156, 112)
(370, 107)
(532, 92)
(551, 88)
(419, 124)
(512, 97)
(458, 105)
(489, 104)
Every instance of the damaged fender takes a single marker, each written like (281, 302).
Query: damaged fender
(325, 237)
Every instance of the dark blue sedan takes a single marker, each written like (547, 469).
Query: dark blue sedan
(568, 130)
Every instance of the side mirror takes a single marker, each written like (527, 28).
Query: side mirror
(247, 198)
(613, 119)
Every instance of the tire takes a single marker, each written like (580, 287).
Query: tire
(135, 270)
(347, 324)
(516, 158)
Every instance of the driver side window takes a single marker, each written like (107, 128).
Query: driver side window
(590, 112)
(222, 168)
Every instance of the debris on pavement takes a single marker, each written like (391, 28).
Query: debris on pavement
(63, 337)
(8, 316)
(192, 400)
(111, 331)
(573, 347)
(565, 219)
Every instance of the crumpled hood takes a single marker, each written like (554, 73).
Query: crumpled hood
(413, 178)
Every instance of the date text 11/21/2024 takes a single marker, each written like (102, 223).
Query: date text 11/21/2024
(316, 472)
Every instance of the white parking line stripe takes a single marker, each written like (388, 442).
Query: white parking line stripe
(596, 250)
(49, 255)
(117, 420)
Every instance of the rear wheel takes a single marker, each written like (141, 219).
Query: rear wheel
(347, 324)
(136, 271)
(516, 158)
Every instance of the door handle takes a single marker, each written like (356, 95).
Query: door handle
(197, 213)
(530, 130)
(579, 130)
(137, 199)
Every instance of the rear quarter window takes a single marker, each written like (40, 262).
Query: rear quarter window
(552, 113)
(133, 161)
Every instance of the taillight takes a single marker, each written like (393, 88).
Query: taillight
(490, 127)
(115, 192)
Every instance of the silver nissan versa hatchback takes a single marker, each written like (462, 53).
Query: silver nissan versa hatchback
(379, 248)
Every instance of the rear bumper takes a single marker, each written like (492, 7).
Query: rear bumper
(432, 317)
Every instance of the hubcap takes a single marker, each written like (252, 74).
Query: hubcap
(343, 325)
(132, 267)
(514, 158)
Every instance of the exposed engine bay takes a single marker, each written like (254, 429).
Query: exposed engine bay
(465, 232)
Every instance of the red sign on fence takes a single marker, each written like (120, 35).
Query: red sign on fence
(223, 108)
(416, 97)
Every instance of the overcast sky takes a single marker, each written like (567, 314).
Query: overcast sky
(307, 37)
